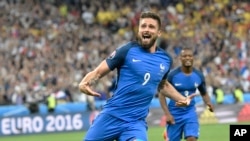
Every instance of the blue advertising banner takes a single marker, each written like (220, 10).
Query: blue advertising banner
(32, 124)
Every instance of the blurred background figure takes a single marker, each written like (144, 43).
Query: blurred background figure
(238, 95)
(219, 95)
(51, 102)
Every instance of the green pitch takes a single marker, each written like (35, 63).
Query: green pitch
(215, 132)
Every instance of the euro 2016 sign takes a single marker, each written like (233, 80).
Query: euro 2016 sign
(42, 124)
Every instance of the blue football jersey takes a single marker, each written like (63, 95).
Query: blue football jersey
(186, 85)
(138, 76)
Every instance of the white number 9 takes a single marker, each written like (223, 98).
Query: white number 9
(146, 78)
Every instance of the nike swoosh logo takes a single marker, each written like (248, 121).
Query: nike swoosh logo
(135, 60)
(177, 84)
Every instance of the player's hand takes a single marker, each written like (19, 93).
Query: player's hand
(186, 102)
(86, 89)
(170, 119)
(210, 107)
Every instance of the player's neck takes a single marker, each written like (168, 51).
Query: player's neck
(152, 49)
(186, 70)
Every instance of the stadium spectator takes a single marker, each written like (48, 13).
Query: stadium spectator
(51, 102)
(238, 95)
(219, 94)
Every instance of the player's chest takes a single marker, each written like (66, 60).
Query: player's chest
(186, 83)
(142, 64)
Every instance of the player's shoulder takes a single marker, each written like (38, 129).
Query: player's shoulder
(198, 72)
(164, 52)
(128, 45)
(175, 71)
(124, 48)
(165, 55)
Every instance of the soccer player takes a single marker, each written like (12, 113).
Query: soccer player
(186, 80)
(141, 66)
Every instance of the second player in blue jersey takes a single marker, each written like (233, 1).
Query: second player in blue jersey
(186, 80)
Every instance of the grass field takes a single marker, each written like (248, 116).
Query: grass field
(210, 132)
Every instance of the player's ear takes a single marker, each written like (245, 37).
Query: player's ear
(159, 33)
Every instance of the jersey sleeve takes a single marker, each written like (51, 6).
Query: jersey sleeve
(117, 57)
(202, 87)
(169, 77)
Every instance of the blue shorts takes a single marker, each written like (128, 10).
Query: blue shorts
(109, 128)
(190, 128)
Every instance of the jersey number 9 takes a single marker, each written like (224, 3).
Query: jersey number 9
(146, 78)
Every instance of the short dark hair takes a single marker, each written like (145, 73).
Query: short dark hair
(149, 14)
(187, 48)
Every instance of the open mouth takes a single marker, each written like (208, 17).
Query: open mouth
(146, 37)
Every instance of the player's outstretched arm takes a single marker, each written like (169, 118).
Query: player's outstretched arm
(166, 89)
(92, 77)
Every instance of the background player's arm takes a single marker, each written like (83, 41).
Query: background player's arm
(206, 100)
(204, 94)
(92, 77)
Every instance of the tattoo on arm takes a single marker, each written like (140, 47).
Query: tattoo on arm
(93, 81)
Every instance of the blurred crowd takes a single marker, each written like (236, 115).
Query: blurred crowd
(47, 46)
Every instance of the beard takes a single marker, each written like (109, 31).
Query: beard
(147, 44)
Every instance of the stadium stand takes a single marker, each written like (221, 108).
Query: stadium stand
(46, 46)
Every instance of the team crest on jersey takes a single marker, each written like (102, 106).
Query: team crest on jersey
(162, 67)
(112, 55)
(196, 85)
